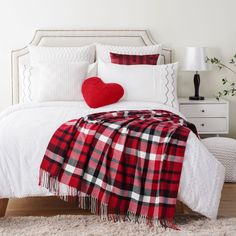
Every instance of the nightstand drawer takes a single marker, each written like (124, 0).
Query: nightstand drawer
(204, 110)
(210, 125)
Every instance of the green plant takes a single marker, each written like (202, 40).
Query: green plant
(230, 85)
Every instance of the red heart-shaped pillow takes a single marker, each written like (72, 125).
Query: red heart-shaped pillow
(97, 93)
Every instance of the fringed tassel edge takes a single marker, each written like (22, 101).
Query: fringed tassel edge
(91, 203)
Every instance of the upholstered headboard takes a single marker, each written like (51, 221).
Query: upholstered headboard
(73, 38)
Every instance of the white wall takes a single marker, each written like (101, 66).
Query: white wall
(176, 23)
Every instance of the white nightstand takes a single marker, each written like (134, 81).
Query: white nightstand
(210, 116)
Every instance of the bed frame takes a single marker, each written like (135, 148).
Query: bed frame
(72, 38)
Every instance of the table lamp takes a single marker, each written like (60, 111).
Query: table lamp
(195, 60)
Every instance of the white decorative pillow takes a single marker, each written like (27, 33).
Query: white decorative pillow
(61, 82)
(28, 81)
(61, 54)
(143, 82)
(29, 74)
(103, 51)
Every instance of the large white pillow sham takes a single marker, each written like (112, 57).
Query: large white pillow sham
(103, 51)
(29, 74)
(61, 81)
(143, 82)
(29, 80)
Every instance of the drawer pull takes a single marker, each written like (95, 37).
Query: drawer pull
(203, 110)
(202, 125)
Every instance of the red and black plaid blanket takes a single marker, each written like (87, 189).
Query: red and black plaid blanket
(119, 164)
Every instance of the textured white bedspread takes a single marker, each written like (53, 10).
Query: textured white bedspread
(26, 129)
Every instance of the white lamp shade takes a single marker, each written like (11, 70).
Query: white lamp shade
(195, 59)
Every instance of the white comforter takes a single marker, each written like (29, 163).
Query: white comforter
(26, 129)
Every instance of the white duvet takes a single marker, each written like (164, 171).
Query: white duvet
(26, 129)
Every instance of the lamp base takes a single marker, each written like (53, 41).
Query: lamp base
(196, 98)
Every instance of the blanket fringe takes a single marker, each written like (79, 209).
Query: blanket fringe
(91, 203)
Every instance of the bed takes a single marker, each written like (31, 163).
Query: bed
(25, 129)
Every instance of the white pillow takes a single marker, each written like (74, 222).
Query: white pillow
(29, 79)
(61, 54)
(143, 82)
(29, 74)
(103, 51)
(61, 82)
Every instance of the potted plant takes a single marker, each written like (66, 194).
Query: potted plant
(230, 86)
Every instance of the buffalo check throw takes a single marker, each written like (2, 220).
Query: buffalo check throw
(119, 164)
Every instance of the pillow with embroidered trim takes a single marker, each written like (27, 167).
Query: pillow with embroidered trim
(29, 78)
(154, 83)
(29, 73)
